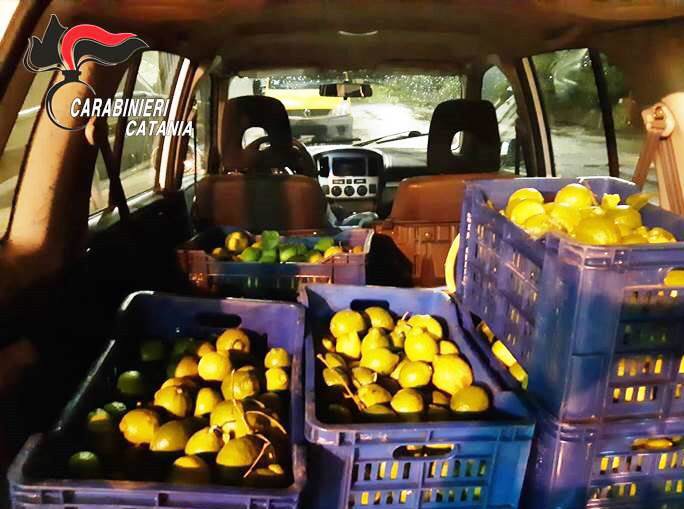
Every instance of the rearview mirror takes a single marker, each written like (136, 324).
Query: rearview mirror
(345, 90)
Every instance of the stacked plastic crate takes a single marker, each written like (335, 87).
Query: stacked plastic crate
(599, 333)
(476, 462)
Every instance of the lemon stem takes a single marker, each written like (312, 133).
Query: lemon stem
(272, 420)
(264, 448)
(350, 394)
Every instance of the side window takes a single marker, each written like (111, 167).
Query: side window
(202, 130)
(629, 127)
(154, 79)
(10, 160)
(497, 89)
(573, 111)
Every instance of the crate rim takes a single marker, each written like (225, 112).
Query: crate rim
(518, 424)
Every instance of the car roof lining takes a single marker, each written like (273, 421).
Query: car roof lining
(306, 33)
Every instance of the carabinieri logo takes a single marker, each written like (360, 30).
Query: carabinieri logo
(66, 50)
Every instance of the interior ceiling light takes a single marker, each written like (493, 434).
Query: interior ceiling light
(357, 34)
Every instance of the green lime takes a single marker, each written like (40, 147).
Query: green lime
(270, 239)
(251, 254)
(301, 248)
(100, 421)
(131, 383)
(182, 347)
(268, 256)
(85, 465)
(152, 350)
(116, 409)
(324, 243)
(288, 253)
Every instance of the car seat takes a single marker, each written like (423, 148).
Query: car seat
(426, 212)
(247, 193)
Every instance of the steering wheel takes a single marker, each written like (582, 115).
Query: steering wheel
(264, 159)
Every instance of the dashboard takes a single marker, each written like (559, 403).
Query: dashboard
(347, 173)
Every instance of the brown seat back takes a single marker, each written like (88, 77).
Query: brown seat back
(258, 200)
(426, 211)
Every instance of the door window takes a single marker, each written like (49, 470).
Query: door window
(10, 161)
(139, 158)
(497, 89)
(573, 112)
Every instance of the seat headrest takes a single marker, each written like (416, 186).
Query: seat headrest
(481, 147)
(241, 113)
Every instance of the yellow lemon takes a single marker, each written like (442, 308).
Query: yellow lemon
(207, 399)
(519, 373)
(335, 376)
(407, 401)
(240, 385)
(524, 210)
(346, 321)
(380, 360)
(332, 251)
(660, 235)
(575, 195)
(415, 374)
(539, 225)
(639, 200)
(503, 354)
(328, 344)
(374, 394)
(277, 379)
(214, 366)
(624, 215)
(470, 399)
(440, 398)
(451, 373)
(349, 345)
(598, 231)
(375, 338)
(236, 242)
(206, 440)
(170, 437)
(565, 215)
(187, 366)
(190, 470)
(592, 212)
(277, 358)
(446, 346)
(420, 346)
(204, 348)
(675, 278)
(427, 322)
(186, 383)
(379, 318)
(174, 400)
(225, 413)
(334, 360)
(138, 426)
(526, 193)
(233, 339)
(363, 376)
(634, 238)
(610, 201)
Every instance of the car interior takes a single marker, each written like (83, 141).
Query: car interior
(453, 92)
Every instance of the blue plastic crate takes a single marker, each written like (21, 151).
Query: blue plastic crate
(599, 466)
(210, 276)
(594, 327)
(359, 465)
(37, 477)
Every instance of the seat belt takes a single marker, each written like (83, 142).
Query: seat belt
(658, 149)
(97, 135)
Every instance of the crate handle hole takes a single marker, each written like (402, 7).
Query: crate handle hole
(361, 304)
(217, 320)
(420, 451)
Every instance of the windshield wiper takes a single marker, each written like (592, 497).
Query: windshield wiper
(403, 135)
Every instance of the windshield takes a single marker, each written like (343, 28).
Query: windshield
(399, 109)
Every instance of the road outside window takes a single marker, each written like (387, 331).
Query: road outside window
(395, 119)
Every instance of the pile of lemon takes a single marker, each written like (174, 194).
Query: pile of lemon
(576, 212)
(217, 418)
(270, 249)
(376, 369)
